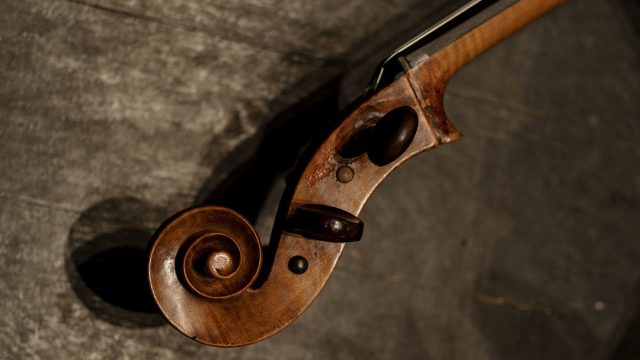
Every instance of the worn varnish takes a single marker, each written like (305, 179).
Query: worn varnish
(243, 317)
(519, 241)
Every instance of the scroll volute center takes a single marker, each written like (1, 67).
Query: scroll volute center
(221, 263)
(213, 266)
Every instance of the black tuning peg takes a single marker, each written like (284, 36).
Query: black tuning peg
(386, 140)
(326, 223)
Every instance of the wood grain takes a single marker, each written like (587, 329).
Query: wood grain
(537, 205)
(255, 314)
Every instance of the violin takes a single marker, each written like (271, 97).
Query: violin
(208, 272)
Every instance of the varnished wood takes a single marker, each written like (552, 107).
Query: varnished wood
(445, 63)
(253, 314)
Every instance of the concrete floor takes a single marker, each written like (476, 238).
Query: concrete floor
(519, 242)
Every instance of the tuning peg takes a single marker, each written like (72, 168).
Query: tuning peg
(326, 223)
(385, 141)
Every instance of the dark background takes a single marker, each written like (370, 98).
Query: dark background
(519, 242)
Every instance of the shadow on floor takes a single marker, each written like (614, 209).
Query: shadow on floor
(107, 245)
(106, 261)
(108, 242)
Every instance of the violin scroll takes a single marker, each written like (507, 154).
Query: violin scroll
(215, 252)
(204, 261)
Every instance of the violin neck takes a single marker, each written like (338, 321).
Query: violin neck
(472, 38)
(459, 38)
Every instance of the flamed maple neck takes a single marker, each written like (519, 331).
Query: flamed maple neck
(470, 28)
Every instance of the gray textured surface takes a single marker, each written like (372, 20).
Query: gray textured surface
(520, 241)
